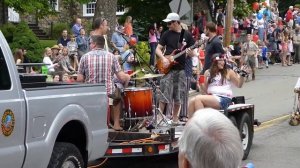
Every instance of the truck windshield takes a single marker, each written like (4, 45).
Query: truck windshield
(5, 82)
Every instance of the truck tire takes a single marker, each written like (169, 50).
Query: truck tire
(233, 120)
(65, 155)
(244, 126)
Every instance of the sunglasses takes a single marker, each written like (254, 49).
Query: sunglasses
(169, 23)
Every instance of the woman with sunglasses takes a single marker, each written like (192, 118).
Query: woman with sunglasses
(216, 86)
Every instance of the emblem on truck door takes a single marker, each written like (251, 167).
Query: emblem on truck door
(7, 122)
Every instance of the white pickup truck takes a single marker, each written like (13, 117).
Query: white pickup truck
(48, 124)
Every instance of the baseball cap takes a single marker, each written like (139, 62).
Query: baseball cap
(172, 17)
(231, 47)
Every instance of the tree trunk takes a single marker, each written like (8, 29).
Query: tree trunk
(3, 13)
(200, 5)
(107, 9)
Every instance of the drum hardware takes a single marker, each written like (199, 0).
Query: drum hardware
(148, 76)
(137, 107)
(141, 108)
(156, 108)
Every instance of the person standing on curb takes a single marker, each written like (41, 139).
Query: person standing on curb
(213, 45)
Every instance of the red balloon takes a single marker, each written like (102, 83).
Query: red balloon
(255, 6)
(255, 38)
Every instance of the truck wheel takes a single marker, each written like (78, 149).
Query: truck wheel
(244, 126)
(65, 155)
(233, 120)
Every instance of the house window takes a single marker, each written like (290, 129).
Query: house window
(120, 10)
(54, 4)
(89, 9)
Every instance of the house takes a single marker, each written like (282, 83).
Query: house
(84, 11)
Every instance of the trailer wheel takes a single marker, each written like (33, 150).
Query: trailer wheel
(65, 155)
(244, 126)
(233, 120)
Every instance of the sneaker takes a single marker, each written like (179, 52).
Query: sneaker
(253, 76)
(173, 123)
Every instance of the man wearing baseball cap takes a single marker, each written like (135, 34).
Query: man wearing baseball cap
(174, 84)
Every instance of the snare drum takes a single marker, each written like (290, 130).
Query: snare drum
(139, 100)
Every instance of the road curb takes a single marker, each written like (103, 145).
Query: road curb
(269, 123)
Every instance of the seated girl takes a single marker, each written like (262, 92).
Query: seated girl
(216, 87)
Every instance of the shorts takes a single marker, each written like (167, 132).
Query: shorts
(225, 102)
(115, 97)
(173, 87)
(235, 30)
(251, 61)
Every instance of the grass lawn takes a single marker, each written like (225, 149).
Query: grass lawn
(47, 43)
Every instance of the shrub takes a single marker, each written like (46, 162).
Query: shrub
(47, 43)
(58, 28)
(8, 30)
(23, 37)
(142, 50)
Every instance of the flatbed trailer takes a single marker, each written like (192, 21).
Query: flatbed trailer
(163, 139)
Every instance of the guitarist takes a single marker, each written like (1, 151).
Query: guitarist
(174, 84)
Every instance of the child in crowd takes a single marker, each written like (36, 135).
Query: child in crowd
(72, 47)
(64, 64)
(65, 77)
(47, 60)
(290, 51)
(265, 58)
(56, 78)
(284, 50)
(262, 55)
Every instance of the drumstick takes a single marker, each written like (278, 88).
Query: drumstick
(137, 71)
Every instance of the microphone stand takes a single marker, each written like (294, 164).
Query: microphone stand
(136, 55)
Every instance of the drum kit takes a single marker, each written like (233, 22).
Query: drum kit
(140, 105)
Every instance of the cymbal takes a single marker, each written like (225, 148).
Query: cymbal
(148, 76)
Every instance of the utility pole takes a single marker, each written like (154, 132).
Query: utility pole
(228, 22)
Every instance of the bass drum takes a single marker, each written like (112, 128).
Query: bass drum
(138, 102)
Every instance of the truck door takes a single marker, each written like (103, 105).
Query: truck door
(12, 111)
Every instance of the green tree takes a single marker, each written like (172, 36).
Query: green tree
(145, 13)
(242, 8)
(31, 6)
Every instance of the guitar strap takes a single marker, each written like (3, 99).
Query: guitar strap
(179, 45)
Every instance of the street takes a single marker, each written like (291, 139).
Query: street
(276, 147)
(272, 92)
(276, 144)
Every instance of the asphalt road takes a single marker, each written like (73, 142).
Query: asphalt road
(277, 146)
(272, 92)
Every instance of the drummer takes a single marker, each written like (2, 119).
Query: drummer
(99, 66)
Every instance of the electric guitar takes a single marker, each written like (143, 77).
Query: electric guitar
(166, 68)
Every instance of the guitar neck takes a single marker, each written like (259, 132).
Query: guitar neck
(182, 52)
(179, 54)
